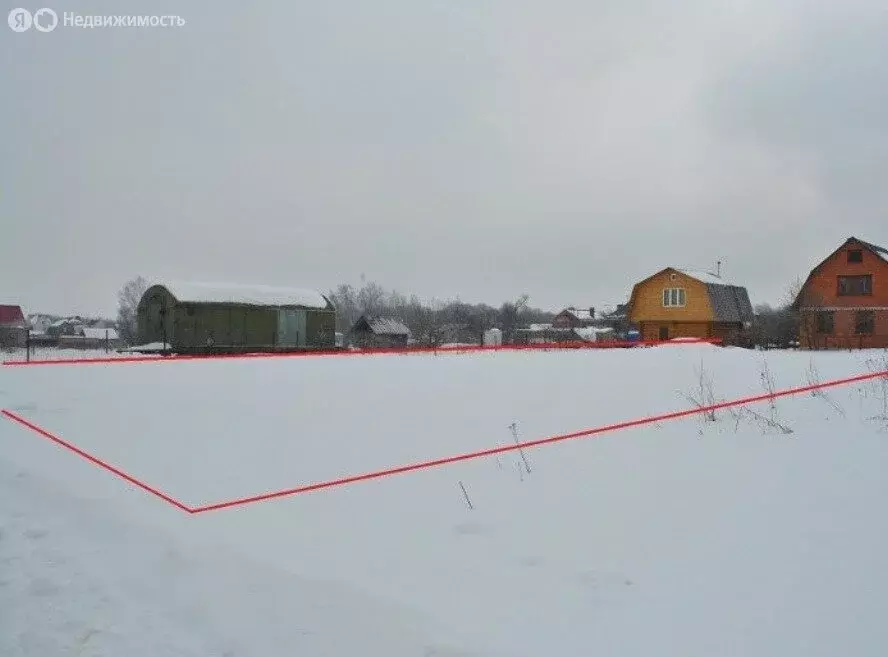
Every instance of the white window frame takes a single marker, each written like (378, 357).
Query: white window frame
(674, 297)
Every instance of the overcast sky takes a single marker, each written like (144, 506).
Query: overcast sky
(562, 148)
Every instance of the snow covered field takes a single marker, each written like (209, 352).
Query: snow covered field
(690, 537)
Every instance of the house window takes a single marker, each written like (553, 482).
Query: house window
(864, 322)
(674, 297)
(825, 323)
(855, 256)
(855, 286)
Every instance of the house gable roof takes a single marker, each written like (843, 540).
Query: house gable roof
(381, 325)
(580, 314)
(730, 303)
(879, 251)
(12, 317)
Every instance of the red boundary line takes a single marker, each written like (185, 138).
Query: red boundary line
(362, 352)
(441, 461)
(94, 460)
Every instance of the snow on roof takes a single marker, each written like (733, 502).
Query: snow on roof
(881, 251)
(591, 333)
(253, 295)
(705, 277)
(387, 326)
(580, 313)
(151, 346)
(65, 321)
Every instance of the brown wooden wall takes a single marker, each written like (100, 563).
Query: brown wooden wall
(651, 330)
(647, 300)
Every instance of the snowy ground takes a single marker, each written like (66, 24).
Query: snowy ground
(688, 538)
(53, 353)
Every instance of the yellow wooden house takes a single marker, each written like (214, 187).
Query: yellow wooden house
(682, 303)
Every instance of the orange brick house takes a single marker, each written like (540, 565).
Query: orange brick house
(681, 303)
(843, 303)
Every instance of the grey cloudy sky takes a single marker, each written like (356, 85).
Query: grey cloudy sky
(563, 148)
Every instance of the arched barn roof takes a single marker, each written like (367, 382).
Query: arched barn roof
(253, 295)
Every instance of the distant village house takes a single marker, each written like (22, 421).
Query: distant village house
(376, 331)
(680, 303)
(844, 301)
(13, 327)
(574, 318)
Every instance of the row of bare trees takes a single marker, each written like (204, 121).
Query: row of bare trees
(784, 325)
(428, 320)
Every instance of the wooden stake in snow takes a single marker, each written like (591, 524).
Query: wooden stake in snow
(514, 428)
(466, 495)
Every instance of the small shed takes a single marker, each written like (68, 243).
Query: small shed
(230, 318)
(493, 337)
(69, 326)
(90, 337)
(13, 327)
(376, 331)
(573, 317)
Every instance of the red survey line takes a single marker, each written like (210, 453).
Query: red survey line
(445, 460)
(533, 443)
(94, 460)
(373, 351)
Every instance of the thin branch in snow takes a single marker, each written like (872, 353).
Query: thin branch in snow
(514, 428)
(466, 495)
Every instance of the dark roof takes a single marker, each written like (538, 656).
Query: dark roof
(730, 303)
(381, 325)
(879, 250)
(12, 317)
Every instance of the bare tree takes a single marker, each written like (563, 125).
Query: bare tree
(511, 314)
(427, 319)
(127, 306)
(803, 305)
(371, 298)
(345, 299)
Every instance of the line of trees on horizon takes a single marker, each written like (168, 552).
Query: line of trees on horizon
(427, 319)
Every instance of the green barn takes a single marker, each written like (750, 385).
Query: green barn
(222, 318)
